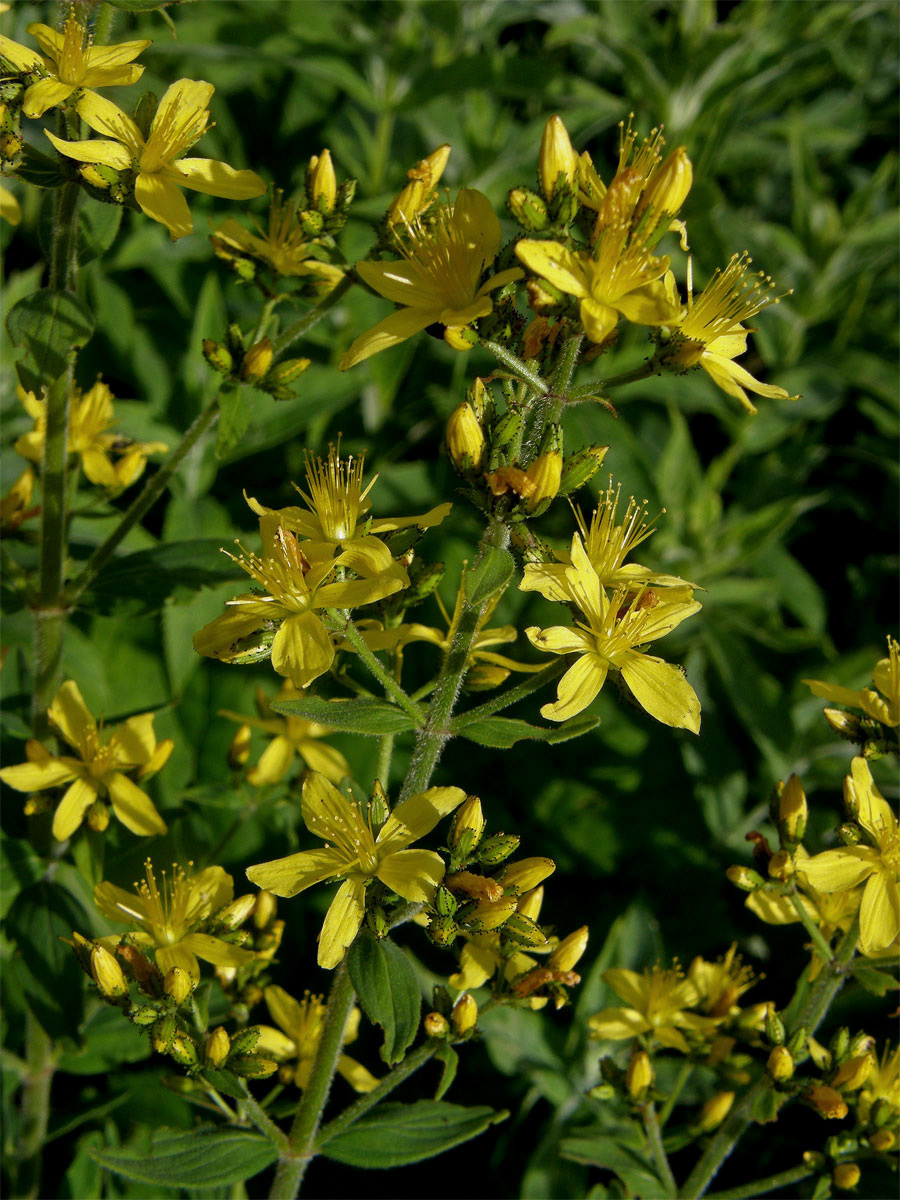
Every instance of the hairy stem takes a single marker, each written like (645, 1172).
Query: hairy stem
(391, 686)
(818, 941)
(511, 696)
(517, 368)
(761, 1187)
(654, 1138)
(383, 765)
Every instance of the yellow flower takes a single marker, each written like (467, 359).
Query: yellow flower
(66, 64)
(617, 277)
(171, 919)
(14, 506)
(720, 983)
(91, 417)
(181, 119)
(483, 954)
(886, 677)
(437, 282)
(336, 516)
(418, 194)
(300, 1025)
(10, 209)
(283, 246)
(291, 735)
(293, 590)
(710, 333)
(358, 855)
(105, 757)
(657, 1000)
(883, 1084)
(876, 863)
(831, 912)
(607, 639)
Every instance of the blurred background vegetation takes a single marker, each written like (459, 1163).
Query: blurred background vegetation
(788, 519)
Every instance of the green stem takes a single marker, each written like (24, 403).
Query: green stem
(296, 1158)
(818, 940)
(518, 369)
(383, 765)
(402, 1071)
(314, 316)
(264, 1122)
(265, 317)
(387, 681)
(761, 1187)
(828, 984)
(138, 508)
(35, 1109)
(434, 734)
(511, 696)
(642, 372)
(651, 1128)
(562, 376)
(103, 22)
(681, 1079)
(63, 261)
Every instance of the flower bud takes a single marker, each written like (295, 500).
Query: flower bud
(460, 337)
(244, 1042)
(184, 1051)
(436, 1025)
(488, 915)
(530, 903)
(819, 1054)
(239, 750)
(775, 1030)
(840, 1043)
(569, 950)
(527, 209)
(178, 984)
(780, 1065)
(714, 1111)
(442, 930)
(286, 372)
(217, 1047)
(882, 1140)
(524, 930)
(252, 1066)
(97, 816)
(107, 973)
(556, 158)
(467, 825)
(850, 833)
(236, 913)
(826, 1101)
(578, 469)
(257, 360)
(853, 1073)
(506, 433)
(668, 186)
(163, 1034)
(495, 850)
(444, 901)
(321, 183)
(863, 1043)
(419, 192)
(527, 873)
(479, 397)
(846, 725)
(264, 909)
(639, 1075)
(144, 1014)
(465, 438)
(745, 878)
(83, 947)
(792, 813)
(218, 356)
(851, 798)
(464, 1014)
(845, 1176)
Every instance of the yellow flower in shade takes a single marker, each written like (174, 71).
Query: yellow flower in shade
(15, 506)
(295, 1041)
(417, 195)
(617, 277)
(10, 209)
(885, 707)
(657, 1002)
(607, 639)
(66, 64)
(293, 591)
(709, 332)
(181, 119)
(171, 917)
(719, 984)
(291, 736)
(283, 246)
(358, 854)
(438, 279)
(106, 758)
(832, 912)
(336, 516)
(108, 459)
(876, 863)
(883, 1084)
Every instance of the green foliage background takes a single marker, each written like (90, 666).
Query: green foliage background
(788, 519)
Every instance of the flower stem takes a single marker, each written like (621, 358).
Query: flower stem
(314, 316)
(511, 696)
(518, 369)
(139, 507)
(383, 765)
(263, 1121)
(761, 1187)
(644, 371)
(654, 1138)
(681, 1079)
(297, 1156)
(35, 1109)
(816, 937)
(387, 681)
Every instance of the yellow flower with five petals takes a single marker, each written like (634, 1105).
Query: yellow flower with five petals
(283, 246)
(358, 854)
(656, 1001)
(160, 170)
(295, 1041)
(106, 758)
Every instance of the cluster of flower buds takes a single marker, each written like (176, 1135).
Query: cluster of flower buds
(489, 449)
(451, 1020)
(253, 364)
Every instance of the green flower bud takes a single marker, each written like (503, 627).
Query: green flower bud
(144, 1014)
(442, 930)
(252, 1066)
(184, 1051)
(218, 356)
(528, 209)
(745, 878)
(468, 818)
(444, 901)
(245, 1041)
(775, 1030)
(163, 1034)
(497, 849)
(578, 469)
(524, 930)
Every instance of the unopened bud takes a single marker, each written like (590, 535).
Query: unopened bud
(236, 913)
(851, 798)
(436, 1025)
(163, 1034)
(264, 910)
(144, 1014)
(244, 1042)
(217, 1047)
(775, 1030)
(321, 182)
(239, 750)
(792, 813)
(488, 915)
(184, 1051)
(846, 725)
(527, 873)
(479, 397)
(882, 1140)
(97, 816)
(639, 1075)
(569, 950)
(107, 973)
(528, 209)
(524, 931)
(468, 824)
(442, 930)
(178, 984)
(745, 878)
(845, 1176)
(544, 473)
(286, 372)
(257, 360)
(464, 1014)
(495, 850)
(578, 469)
(780, 1065)
(83, 947)
(311, 222)
(557, 158)
(465, 438)
(418, 193)
(460, 337)
(850, 833)
(840, 1043)
(669, 185)
(444, 901)
(252, 1066)
(826, 1101)
(714, 1111)
(218, 356)
(853, 1073)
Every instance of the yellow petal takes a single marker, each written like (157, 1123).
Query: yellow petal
(325, 759)
(560, 639)
(559, 266)
(875, 814)
(360, 1079)
(116, 904)
(649, 304)
(669, 1037)
(838, 870)
(578, 688)
(161, 201)
(342, 921)
(216, 178)
(110, 154)
(274, 763)
(477, 963)
(662, 690)
(418, 815)
(217, 639)
(168, 957)
(412, 874)
(110, 121)
(273, 1043)
(183, 104)
(214, 950)
(135, 739)
(18, 56)
(50, 40)
(547, 578)
(286, 1012)
(776, 910)
(389, 332)
(10, 210)
(615, 1024)
(71, 809)
(288, 876)
(70, 715)
(35, 776)
(98, 467)
(44, 94)
(133, 807)
(97, 57)
(631, 986)
(474, 216)
(599, 319)
(326, 811)
(302, 649)
(879, 913)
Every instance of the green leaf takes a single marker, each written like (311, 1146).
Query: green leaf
(879, 983)
(499, 733)
(226, 1083)
(98, 225)
(388, 990)
(621, 1154)
(450, 1059)
(392, 1135)
(201, 1157)
(48, 324)
(373, 717)
(490, 576)
(234, 418)
(40, 169)
(140, 582)
(48, 970)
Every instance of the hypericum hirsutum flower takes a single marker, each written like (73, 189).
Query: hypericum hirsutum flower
(358, 854)
(66, 64)
(876, 862)
(886, 677)
(613, 627)
(657, 1000)
(106, 758)
(293, 591)
(290, 736)
(336, 516)
(10, 209)
(300, 1025)
(719, 984)
(160, 170)
(709, 332)
(283, 246)
(171, 917)
(882, 1084)
(438, 281)
(108, 459)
